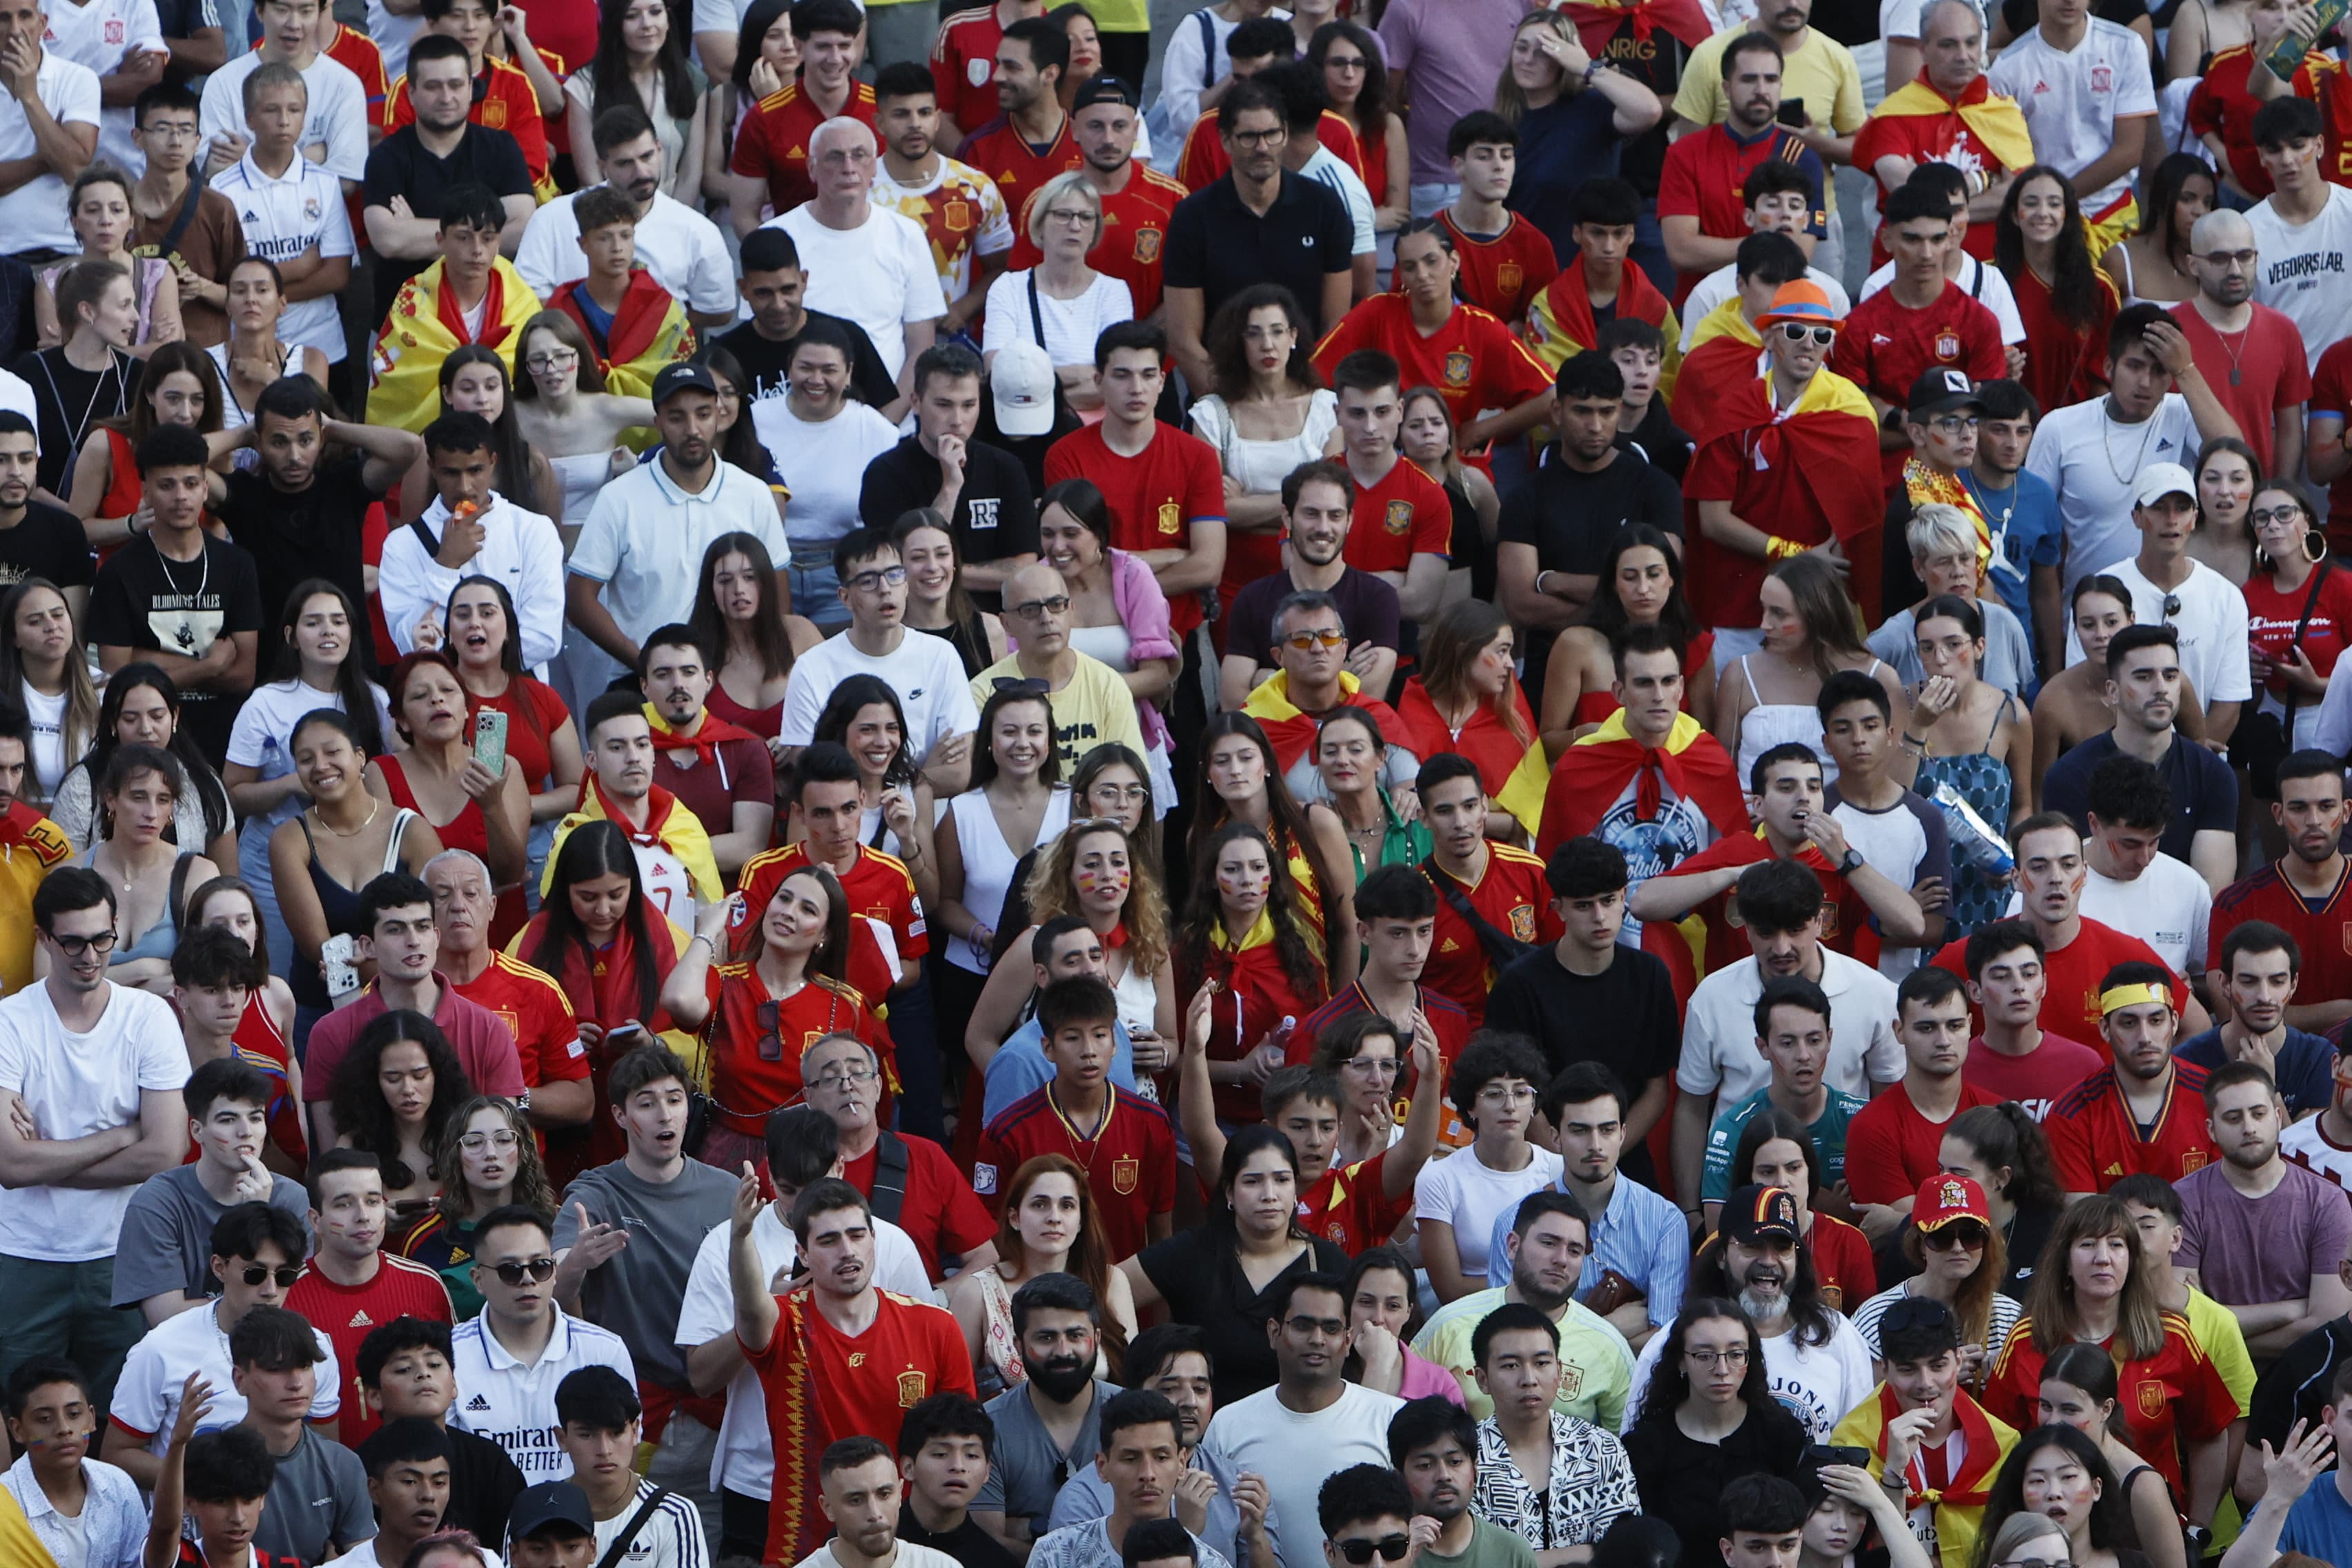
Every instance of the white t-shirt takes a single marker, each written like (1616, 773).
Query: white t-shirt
(1350, 187)
(1193, 61)
(1467, 1196)
(1719, 1055)
(879, 275)
(338, 118)
(2168, 906)
(2211, 622)
(364, 1554)
(1818, 1384)
(2307, 1144)
(262, 738)
(286, 217)
(1296, 1454)
(1724, 282)
(2304, 273)
(519, 548)
(823, 462)
(679, 247)
(513, 1405)
(1071, 325)
(47, 716)
(392, 34)
(745, 1458)
(2072, 99)
(75, 1085)
(33, 216)
(924, 670)
(1979, 283)
(101, 35)
(2093, 462)
(147, 1396)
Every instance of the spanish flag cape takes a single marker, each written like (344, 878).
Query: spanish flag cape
(1959, 1502)
(1924, 484)
(1594, 771)
(424, 326)
(1597, 24)
(31, 845)
(1809, 474)
(667, 824)
(649, 330)
(1254, 995)
(18, 1544)
(1291, 731)
(1559, 322)
(1992, 118)
(1726, 351)
(1513, 770)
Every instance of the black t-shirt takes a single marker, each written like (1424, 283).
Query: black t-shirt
(1197, 1274)
(401, 165)
(1368, 611)
(996, 511)
(2028, 1232)
(313, 532)
(1572, 517)
(768, 363)
(69, 402)
(1681, 1478)
(2294, 1387)
(142, 602)
(1654, 58)
(46, 541)
(2204, 790)
(1218, 246)
(1624, 1018)
(1657, 437)
(967, 1543)
(483, 1485)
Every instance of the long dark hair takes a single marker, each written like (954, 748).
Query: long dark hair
(740, 443)
(510, 652)
(1244, 1143)
(138, 422)
(126, 764)
(1605, 612)
(1370, 115)
(2074, 283)
(358, 1101)
(753, 32)
(507, 443)
(1195, 938)
(862, 691)
(2110, 1521)
(769, 639)
(608, 72)
(596, 848)
(1284, 814)
(1670, 1382)
(1229, 355)
(351, 684)
(830, 959)
(210, 792)
(1396, 1262)
(2172, 175)
(2005, 1138)
(985, 770)
(2090, 1368)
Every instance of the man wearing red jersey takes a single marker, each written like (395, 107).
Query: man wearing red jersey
(1505, 261)
(1699, 209)
(1124, 1143)
(2077, 951)
(2145, 1110)
(1396, 921)
(881, 890)
(2303, 891)
(836, 1357)
(555, 1075)
(504, 98)
(2251, 355)
(916, 1187)
(964, 63)
(1891, 1144)
(1493, 902)
(1165, 486)
(1029, 140)
(1136, 199)
(352, 1287)
(1492, 384)
(770, 169)
(2324, 438)
(2014, 1057)
(1403, 524)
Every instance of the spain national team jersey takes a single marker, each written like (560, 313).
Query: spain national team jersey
(1350, 1209)
(1473, 359)
(879, 887)
(772, 143)
(1134, 236)
(1406, 515)
(1502, 273)
(534, 1009)
(1155, 497)
(1204, 161)
(347, 1315)
(1447, 1021)
(1706, 171)
(2073, 976)
(820, 1385)
(1017, 167)
(753, 1042)
(259, 1042)
(961, 216)
(1886, 346)
(359, 53)
(2095, 1141)
(963, 65)
(1130, 1163)
(2168, 1399)
(1512, 896)
(2322, 928)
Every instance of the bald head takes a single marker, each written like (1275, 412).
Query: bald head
(1951, 41)
(2220, 229)
(2221, 253)
(1033, 582)
(1037, 614)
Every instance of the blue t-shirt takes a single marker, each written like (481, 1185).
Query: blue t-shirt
(1569, 140)
(2025, 522)
(2320, 1523)
(2307, 1066)
(2204, 790)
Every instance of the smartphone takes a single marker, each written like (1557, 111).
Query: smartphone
(491, 740)
(1793, 112)
(625, 1036)
(1820, 1454)
(336, 957)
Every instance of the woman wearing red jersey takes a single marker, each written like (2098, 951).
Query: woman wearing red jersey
(2093, 1289)
(2066, 302)
(1776, 1151)
(267, 1023)
(440, 778)
(540, 739)
(2299, 609)
(1245, 941)
(1641, 586)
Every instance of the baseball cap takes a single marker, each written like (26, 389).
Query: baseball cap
(1756, 1214)
(1103, 90)
(677, 378)
(1941, 390)
(2158, 481)
(1945, 1200)
(1803, 301)
(548, 1504)
(1021, 381)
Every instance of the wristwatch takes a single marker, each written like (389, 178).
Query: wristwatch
(1853, 858)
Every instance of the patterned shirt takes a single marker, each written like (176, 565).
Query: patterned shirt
(1089, 1545)
(961, 214)
(1590, 1489)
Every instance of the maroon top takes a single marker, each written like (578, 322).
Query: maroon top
(485, 1046)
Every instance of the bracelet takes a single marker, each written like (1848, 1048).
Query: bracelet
(1539, 577)
(1779, 549)
(1911, 740)
(697, 936)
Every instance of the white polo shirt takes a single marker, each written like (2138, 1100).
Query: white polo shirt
(33, 216)
(677, 246)
(98, 35)
(2072, 99)
(283, 218)
(338, 118)
(513, 1403)
(2210, 622)
(879, 275)
(147, 1395)
(1719, 1055)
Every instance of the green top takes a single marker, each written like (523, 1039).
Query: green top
(1490, 1547)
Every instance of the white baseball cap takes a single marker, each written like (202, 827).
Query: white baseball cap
(1021, 381)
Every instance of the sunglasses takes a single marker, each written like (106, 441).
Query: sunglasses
(1966, 1236)
(1824, 337)
(1303, 641)
(255, 1273)
(537, 1270)
(1391, 1548)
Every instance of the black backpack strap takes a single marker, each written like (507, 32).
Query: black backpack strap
(890, 1165)
(621, 1542)
(1208, 48)
(170, 243)
(1501, 948)
(428, 538)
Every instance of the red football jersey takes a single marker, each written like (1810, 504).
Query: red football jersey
(1155, 496)
(1705, 172)
(940, 1214)
(1845, 919)
(1890, 1148)
(1446, 1020)
(1016, 167)
(1503, 273)
(531, 1004)
(504, 99)
(358, 54)
(1842, 1262)
(347, 1315)
(2174, 1396)
(746, 1086)
(1134, 236)
(772, 143)
(2070, 1007)
(2036, 1081)
(1406, 515)
(1474, 359)
(2095, 1142)
(963, 66)
(880, 886)
(1350, 1209)
(1130, 1161)
(2253, 373)
(1513, 898)
(1886, 347)
(2322, 928)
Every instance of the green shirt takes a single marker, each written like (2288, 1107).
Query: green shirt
(1490, 1547)
(1596, 1365)
(1827, 1131)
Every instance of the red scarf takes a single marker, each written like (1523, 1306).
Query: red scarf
(1972, 1486)
(1637, 298)
(494, 311)
(1115, 938)
(1592, 773)
(645, 305)
(1597, 24)
(704, 742)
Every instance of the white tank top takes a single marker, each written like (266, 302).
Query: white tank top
(989, 862)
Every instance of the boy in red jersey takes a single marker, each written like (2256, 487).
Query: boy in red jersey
(2014, 1057)
(1506, 260)
(1027, 142)
(1403, 524)
(351, 1286)
(2096, 1135)
(770, 169)
(964, 64)
(1493, 901)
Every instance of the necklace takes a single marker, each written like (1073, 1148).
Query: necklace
(2237, 372)
(186, 642)
(376, 807)
(2107, 423)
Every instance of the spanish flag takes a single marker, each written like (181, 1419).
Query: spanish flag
(1725, 351)
(1559, 322)
(426, 326)
(1959, 1499)
(649, 330)
(1510, 757)
(1291, 730)
(1594, 771)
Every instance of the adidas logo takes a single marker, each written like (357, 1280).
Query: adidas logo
(360, 1319)
(480, 1402)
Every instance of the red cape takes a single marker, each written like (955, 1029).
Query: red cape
(1591, 775)
(452, 315)
(1709, 374)
(1637, 298)
(644, 306)
(1596, 25)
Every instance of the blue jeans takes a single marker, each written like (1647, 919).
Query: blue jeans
(816, 594)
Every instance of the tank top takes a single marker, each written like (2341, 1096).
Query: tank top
(158, 939)
(233, 413)
(762, 721)
(988, 860)
(338, 904)
(1769, 724)
(468, 830)
(969, 638)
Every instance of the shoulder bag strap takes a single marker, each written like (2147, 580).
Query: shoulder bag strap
(2302, 624)
(428, 538)
(181, 220)
(1208, 48)
(1037, 313)
(1502, 949)
(890, 1166)
(621, 1542)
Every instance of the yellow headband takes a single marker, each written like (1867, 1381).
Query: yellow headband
(2132, 995)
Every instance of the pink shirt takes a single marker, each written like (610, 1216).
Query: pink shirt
(485, 1046)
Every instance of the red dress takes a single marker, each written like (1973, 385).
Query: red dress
(468, 830)
(523, 700)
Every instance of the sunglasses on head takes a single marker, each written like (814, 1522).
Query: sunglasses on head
(1391, 1548)
(539, 1270)
(1796, 332)
(255, 1273)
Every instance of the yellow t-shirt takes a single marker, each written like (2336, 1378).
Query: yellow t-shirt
(1094, 707)
(1821, 75)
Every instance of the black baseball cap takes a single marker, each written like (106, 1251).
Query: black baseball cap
(680, 377)
(1940, 391)
(1105, 89)
(550, 1504)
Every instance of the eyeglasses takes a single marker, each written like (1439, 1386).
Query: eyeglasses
(1710, 1360)
(1130, 795)
(1069, 214)
(474, 1142)
(2276, 514)
(75, 946)
(1304, 641)
(846, 1078)
(1953, 424)
(1331, 1327)
(1273, 138)
(537, 1270)
(1966, 1236)
(875, 581)
(2228, 258)
(255, 1273)
(1391, 1548)
(169, 131)
(1037, 609)
(1797, 333)
(1372, 1067)
(553, 359)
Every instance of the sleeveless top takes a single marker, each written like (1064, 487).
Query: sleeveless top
(580, 477)
(969, 638)
(762, 721)
(468, 830)
(989, 862)
(147, 275)
(1982, 780)
(338, 904)
(233, 413)
(124, 487)
(158, 939)
(1769, 724)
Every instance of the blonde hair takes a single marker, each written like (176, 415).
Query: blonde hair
(1937, 529)
(1054, 190)
(1052, 891)
(1510, 102)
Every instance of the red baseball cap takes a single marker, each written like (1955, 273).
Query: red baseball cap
(1945, 1200)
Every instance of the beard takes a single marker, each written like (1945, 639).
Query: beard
(1764, 1307)
(1060, 1380)
(1533, 1292)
